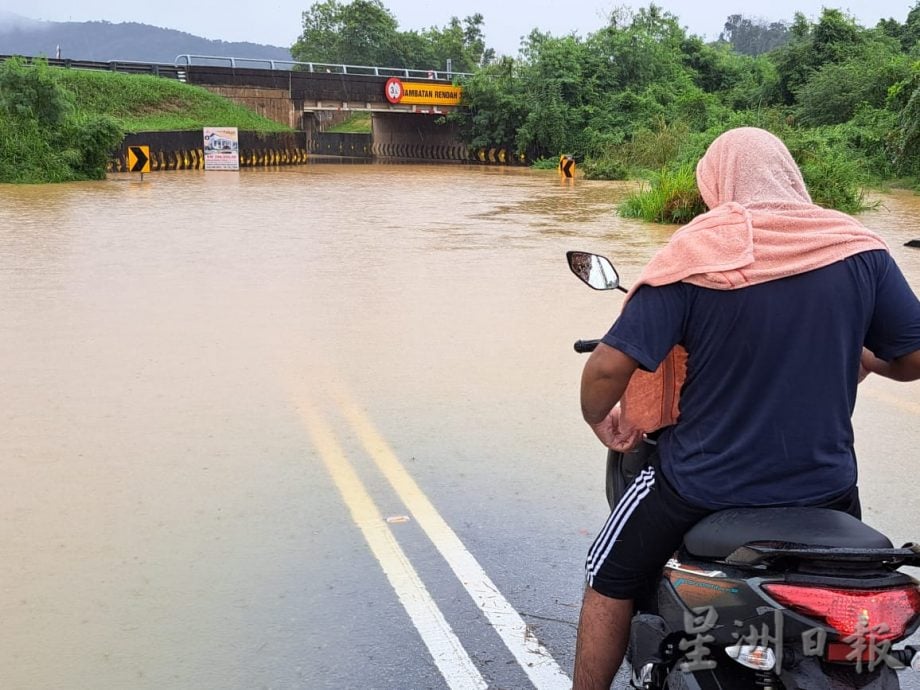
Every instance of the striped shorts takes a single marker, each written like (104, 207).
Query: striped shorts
(644, 530)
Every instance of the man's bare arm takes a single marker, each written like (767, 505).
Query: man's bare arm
(906, 368)
(603, 381)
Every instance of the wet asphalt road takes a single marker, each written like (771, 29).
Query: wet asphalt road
(315, 433)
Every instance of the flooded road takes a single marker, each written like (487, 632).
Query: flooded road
(217, 387)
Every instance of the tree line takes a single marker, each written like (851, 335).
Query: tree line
(640, 96)
(364, 32)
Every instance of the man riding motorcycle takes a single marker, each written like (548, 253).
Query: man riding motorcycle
(757, 319)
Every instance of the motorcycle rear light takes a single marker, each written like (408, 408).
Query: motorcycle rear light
(883, 613)
(758, 658)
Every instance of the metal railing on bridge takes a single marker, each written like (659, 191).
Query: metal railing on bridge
(159, 69)
(293, 65)
(178, 70)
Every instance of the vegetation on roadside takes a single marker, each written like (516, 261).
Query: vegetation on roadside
(358, 123)
(60, 125)
(43, 136)
(640, 98)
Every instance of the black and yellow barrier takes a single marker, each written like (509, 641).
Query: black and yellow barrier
(497, 156)
(193, 159)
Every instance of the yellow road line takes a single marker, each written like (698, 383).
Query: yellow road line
(532, 656)
(451, 658)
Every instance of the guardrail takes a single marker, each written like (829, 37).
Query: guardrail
(159, 69)
(293, 65)
(178, 71)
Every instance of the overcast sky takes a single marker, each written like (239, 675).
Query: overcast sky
(278, 22)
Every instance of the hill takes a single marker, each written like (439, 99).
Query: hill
(125, 41)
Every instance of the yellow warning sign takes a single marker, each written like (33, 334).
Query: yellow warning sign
(422, 93)
(567, 166)
(139, 159)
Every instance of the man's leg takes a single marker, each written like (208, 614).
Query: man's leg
(643, 531)
(603, 631)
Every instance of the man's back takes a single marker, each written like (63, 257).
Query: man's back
(771, 377)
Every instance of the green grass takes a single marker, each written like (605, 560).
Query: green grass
(672, 197)
(359, 123)
(142, 103)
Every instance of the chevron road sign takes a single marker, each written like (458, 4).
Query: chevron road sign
(139, 159)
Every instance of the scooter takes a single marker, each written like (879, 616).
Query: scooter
(775, 598)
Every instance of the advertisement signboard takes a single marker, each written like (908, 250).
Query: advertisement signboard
(221, 148)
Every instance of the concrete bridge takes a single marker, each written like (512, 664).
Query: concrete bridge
(406, 105)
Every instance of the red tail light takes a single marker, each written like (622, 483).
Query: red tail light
(854, 611)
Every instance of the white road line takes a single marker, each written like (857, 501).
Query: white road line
(449, 655)
(533, 657)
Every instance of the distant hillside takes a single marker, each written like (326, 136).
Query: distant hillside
(126, 41)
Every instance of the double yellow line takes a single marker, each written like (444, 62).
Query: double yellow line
(452, 660)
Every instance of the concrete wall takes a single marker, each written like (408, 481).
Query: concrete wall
(273, 104)
(347, 145)
(413, 135)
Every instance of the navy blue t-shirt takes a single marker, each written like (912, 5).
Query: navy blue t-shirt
(771, 376)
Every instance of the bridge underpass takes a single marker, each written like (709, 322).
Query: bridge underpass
(306, 97)
(409, 128)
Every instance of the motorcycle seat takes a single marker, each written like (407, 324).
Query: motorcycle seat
(719, 534)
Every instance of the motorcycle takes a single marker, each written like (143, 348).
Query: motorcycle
(776, 598)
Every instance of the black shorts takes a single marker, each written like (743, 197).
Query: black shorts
(644, 530)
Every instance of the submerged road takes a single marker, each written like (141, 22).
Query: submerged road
(319, 428)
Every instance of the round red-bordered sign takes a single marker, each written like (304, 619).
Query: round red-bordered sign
(394, 90)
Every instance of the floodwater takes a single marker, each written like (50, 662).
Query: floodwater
(164, 519)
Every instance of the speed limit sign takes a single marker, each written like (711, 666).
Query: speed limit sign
(394, 90)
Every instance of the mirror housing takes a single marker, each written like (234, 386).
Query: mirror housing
(594, 270)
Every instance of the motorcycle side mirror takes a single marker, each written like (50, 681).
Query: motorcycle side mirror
(594, 270)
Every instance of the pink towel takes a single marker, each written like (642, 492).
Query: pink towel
(762, 226)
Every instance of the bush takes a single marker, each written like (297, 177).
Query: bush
(95, 138)
(604, 169)
(672, 197)
(26, 154)
(42, 140)
(545, 164)
(30, 91)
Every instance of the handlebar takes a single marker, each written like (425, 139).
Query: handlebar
(582, 346)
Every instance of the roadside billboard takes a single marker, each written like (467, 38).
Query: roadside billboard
(221, 148)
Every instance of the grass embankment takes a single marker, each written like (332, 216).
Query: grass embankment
(141, 103)
(59, 125)
(359, 123)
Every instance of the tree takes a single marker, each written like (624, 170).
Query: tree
(835, 38)
(836, 90)
(362, 32)
(30, 92)
(462, 43)
(753, 36)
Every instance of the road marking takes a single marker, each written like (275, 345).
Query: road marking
(449, 655)
(533, 657)
(890, 399)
